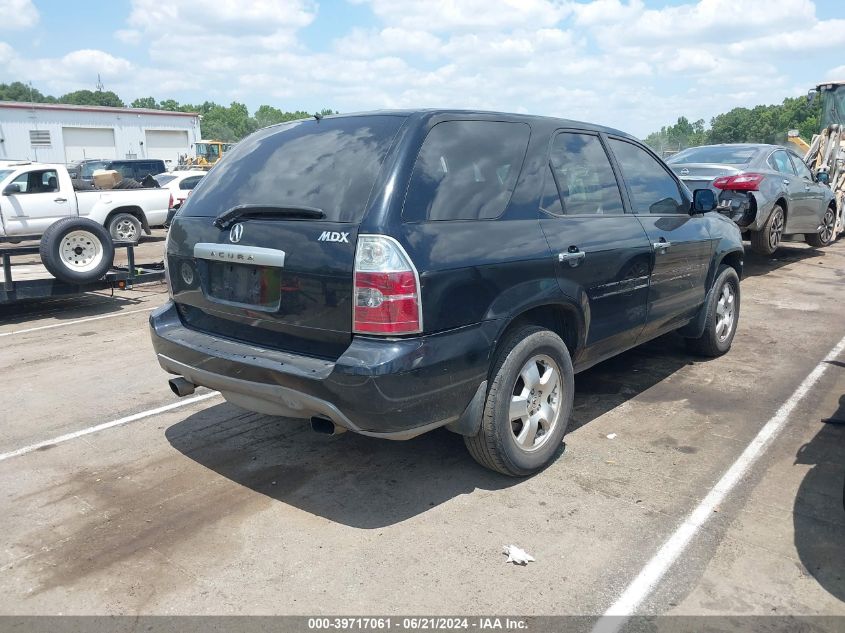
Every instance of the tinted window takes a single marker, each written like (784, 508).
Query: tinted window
(466, 170)
(650, 186)
(724, 155)
(583, 175)
(190, 182)
(801, 167)
(329, 164)
(780, 162)
(163, 179)
(550, 202)
(89, 168)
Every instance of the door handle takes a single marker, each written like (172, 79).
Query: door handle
(574, 257)
(662, 246)
(786, 182)
(806, 187)
(59, 199)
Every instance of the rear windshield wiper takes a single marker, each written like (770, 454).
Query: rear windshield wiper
(227, 218)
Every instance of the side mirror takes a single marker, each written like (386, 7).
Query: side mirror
(12, 189)
(703, 200)
(823, 177)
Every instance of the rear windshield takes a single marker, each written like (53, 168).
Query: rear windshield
(163, 179)
(88, 169)
(713, 154)
(329, 164)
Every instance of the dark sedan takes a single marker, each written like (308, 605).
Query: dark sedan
(766, 189)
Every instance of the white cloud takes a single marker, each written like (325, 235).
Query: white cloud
(18, 14)
(616, 62)
(834, 74)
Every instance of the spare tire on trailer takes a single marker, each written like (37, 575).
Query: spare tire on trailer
(76, 250)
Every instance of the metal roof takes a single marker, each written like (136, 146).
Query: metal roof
(21, 105)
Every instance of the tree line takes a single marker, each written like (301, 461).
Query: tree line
(760, 124)
(223, 123)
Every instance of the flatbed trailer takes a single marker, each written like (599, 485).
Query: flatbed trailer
(118, 277)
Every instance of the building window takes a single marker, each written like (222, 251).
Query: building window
(39, 138)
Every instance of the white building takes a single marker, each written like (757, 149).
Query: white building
(61, 133)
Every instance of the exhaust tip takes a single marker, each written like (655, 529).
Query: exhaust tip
(325, 426)
(181, 387)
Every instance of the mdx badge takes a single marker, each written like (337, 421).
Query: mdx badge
(236, 233)
(332, 236)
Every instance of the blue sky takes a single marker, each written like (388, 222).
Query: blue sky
(631, 64)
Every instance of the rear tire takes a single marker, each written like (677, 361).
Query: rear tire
(528, 404)
(722, 316)
(125, 227)
(76, 250)
(820, 240)
(766, 240)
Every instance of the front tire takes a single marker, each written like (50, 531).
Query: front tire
(825, 237)
(528, 404)
(76, 250)
(125, 227)
(722, 316)
(766, 240)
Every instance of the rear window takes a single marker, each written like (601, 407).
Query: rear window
(163, 179)
(466, 170)
(88, 169)
(714, 154)
(329, 164)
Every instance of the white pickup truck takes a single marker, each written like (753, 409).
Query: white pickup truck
(36, 195)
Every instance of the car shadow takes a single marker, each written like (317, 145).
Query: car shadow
(787, 253)
(819, 508)
(369, 483)
(70, 308)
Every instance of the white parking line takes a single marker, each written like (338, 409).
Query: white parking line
(85, 320)
(646, 581)
(107, 425)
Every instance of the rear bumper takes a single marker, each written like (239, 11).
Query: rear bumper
(741, 207)
(395, 389)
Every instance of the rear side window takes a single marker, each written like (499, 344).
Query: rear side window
(650, 186)
(780, 162)
(466, 170)
(583, 177)
(329, 164)
(189, 183)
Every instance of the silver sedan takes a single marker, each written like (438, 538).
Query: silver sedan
(766, 189)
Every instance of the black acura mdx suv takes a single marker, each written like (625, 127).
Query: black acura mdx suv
(393, 272)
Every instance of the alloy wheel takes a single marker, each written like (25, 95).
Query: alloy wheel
(725, 312)
(776, 231)
(535, 402)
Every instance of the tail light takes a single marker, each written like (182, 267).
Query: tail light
(170, 204)
(387, 288)
(741, 182)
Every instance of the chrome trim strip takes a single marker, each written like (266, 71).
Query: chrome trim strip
(240, 254)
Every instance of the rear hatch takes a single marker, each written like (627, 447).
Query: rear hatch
(701, 175)
(276, 269)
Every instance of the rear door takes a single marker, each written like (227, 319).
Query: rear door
(799, 211)
(680, 243)
(275, 277)
(815, 194)
(602, 255)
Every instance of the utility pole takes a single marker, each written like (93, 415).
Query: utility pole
(100, 85)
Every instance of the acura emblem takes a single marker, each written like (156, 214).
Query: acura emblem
(685, 172)
(235, 233)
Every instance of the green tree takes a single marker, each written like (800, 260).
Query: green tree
(145, 102)
(89, 97)
(19, 91)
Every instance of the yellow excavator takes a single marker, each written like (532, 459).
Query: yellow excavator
(207, 153)
(825, 155)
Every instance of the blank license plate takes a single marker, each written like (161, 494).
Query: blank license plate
(258, 286)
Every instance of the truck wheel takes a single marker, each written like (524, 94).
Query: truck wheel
(76, 250)
(825, 237)
(528, 404)
(125, 227)
(722, 316)
(766, 240)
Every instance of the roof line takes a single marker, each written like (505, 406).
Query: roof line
(21, 105)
